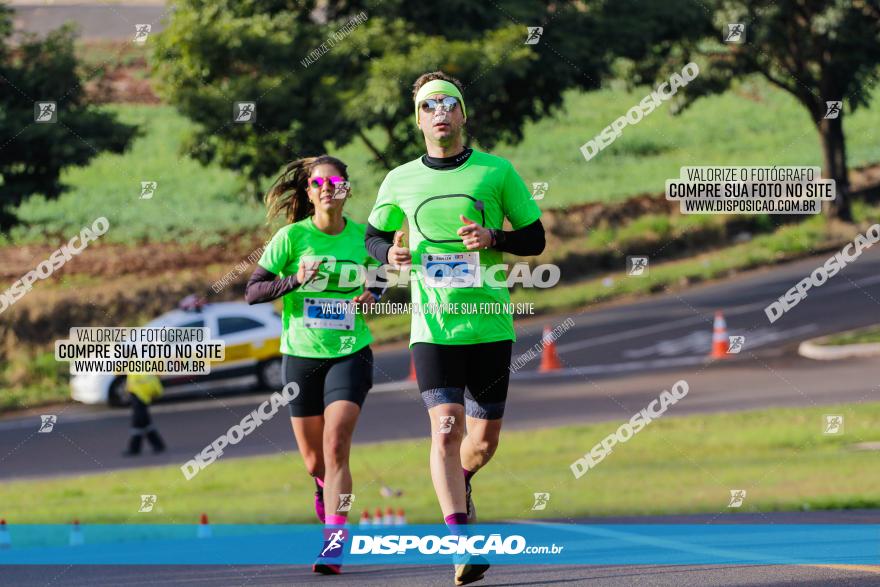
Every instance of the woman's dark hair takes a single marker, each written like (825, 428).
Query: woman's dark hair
(288, 196)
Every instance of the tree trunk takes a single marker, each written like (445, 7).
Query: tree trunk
(834, 165)
(373, 149)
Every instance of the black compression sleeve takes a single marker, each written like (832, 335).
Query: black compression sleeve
(524, 242)
(378, 242)
(263, 287)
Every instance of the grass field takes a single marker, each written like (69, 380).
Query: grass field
(861, 336)
(759, 125)
(192, 203)
(675, 465)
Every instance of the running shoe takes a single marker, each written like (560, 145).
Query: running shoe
(329, 560)
(471, 571)
(326, 569)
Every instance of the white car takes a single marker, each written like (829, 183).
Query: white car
(251, 335)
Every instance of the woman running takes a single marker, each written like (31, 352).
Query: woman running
(325, 342)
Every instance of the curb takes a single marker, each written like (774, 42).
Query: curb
(811, 350)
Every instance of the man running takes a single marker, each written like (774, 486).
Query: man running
(455, 200)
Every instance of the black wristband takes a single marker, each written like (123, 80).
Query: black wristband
(499, 237)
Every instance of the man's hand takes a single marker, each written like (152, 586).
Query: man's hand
(473, 235)
(307, 271)
(399, 255)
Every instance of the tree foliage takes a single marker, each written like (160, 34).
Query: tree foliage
(817, 50)
(33, 155)
(216, 53)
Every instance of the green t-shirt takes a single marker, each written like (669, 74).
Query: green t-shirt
(316, 325)
(431, 200)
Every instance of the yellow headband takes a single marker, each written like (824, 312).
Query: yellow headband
(438, 86)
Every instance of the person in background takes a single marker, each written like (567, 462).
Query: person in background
(143, 388)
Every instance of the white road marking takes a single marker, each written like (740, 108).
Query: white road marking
(614, 367)
(701, 341)
(707, 319)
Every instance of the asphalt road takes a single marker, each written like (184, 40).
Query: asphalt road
(431, 576)
(616, 359)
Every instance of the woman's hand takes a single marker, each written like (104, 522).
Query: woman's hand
(473, 235)
(307, 271)
(366, 299)
(399, 255)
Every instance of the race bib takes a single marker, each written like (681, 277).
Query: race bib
(328, 313)
(452, 270)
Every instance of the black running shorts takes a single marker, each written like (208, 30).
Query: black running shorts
(324, 381)
(474, 375)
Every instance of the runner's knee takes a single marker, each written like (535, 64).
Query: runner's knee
(447, 443)
(314, 463)
(483, 446)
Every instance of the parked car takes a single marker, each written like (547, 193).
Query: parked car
(251, 335)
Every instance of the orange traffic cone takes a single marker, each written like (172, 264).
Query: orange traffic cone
(365, 519)
(76, 534)
(5, 539)
(377, 519)
(549, 358)
(412, 368)
(400, 518)
(204, 530)
(719, 337)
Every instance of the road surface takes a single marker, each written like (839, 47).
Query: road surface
(616, 359)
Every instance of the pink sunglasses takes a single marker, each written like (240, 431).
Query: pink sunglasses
(317, 182)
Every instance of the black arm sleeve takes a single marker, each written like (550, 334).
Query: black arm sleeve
(263, 287)
(378, 242)
(524, 242)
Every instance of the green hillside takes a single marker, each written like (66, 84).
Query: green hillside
(761, 125)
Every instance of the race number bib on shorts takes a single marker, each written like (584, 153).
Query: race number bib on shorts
(328, 313)
(452, 270)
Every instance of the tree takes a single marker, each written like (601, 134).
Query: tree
(33, 154)
(817, 50)
(309, 100)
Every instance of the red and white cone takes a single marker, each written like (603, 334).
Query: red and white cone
(549, 358)
(412, 369)
(204, 530)
(76, 534)
(5, 538)
(719, 337)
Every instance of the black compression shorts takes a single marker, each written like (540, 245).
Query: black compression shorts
(324, 381)
(474, 375)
